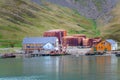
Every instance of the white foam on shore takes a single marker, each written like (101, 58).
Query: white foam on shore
(25, 78)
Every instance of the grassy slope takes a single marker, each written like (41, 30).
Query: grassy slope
(21, 18)
(112, 29)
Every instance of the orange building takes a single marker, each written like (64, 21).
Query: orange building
(102, 46)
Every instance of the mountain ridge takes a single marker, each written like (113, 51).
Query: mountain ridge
(112, 28)
(90, 8)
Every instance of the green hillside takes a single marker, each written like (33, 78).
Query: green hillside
(22, 18)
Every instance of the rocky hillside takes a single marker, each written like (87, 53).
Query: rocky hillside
(105, 12)
(112, 28)
(21, 18)
(89, 8)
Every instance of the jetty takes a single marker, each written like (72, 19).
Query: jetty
(46, 53)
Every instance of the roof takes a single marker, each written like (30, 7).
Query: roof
(56, 30)
(39, 40)
(111, 41)
(97, 39)
(100, 43)
(48, 46)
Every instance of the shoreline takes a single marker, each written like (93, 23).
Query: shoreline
(18, 52)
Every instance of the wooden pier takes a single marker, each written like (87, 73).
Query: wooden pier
(36, 55)
(46, 53)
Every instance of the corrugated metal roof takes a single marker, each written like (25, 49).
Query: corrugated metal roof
(39, 40)
(56, 30)
(111, 41)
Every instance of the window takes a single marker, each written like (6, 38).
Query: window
(105, 43)
(99, 47)
(28, 46)
(32, 46)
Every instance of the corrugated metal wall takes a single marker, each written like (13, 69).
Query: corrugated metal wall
(56, 33)
(71, 41)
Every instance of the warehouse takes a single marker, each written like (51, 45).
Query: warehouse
(31, 44)
(102, 46)
(113, 43)
(59, 33)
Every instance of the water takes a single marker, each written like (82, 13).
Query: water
(61, 68)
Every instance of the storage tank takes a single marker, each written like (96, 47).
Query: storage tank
(87, 42)
(90, 43)
(71, 41)
(79, 35)
(80, 38)
(97, 39)
(59, 33)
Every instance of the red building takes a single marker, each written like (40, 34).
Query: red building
(96, 40)
(80, 37)
(70, 41)
(87, 42)
(59, 33)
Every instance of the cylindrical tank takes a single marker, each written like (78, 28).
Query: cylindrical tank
(70, 41)
(87, 42)
(59, 33)
(90, 42)
(79, 35)
(97, 39)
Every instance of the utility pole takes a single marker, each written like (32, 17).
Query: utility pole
(118, 43)
(60, 40)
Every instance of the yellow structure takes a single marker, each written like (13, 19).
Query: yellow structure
(102, 46)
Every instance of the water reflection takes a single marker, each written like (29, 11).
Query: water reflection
(11, 67)
(62, 68)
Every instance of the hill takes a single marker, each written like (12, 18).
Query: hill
(88, 8)
(111, 29)
(21, 18)
(105, 12)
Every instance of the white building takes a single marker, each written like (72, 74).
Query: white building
(114, 45)
(31, 44)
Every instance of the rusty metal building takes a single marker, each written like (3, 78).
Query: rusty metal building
(70, 41)
(59, 33)
(80, 37)
(87, 42)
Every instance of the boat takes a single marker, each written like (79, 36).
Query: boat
(10, 55)
(90, 54)
(118, 55)
(58, 53)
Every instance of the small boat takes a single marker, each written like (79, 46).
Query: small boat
(118, 55)
(58, 53)
(55, 54)
(8, 56)
(99, 53)
(90, 54)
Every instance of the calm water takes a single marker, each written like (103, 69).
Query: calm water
(61, 68)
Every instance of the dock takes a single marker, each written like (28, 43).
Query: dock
(45, 53)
